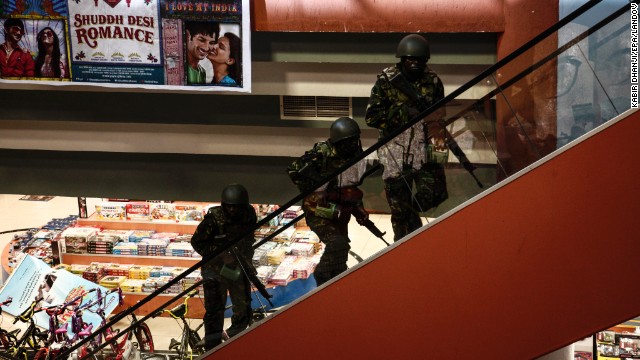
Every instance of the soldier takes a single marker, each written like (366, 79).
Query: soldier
(329, 209)
(417, 155)
(224, 273)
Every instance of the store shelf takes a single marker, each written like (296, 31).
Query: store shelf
(86, 259)
(196, 304)
(159, 226)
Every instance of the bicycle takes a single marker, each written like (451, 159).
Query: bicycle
(33, 336)
(190, 341)
(59, 340)
(8, 338)
(122, 348)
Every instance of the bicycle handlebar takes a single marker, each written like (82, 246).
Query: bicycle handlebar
(58, 309)
(28, 313)
(7, 302)
(180, 310)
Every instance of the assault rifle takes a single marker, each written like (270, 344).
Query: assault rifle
(249, 272)
(402, 84)
(374, 229)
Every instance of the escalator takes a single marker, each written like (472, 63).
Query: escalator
(538, 258)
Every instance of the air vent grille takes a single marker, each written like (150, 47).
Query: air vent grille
(314, 107)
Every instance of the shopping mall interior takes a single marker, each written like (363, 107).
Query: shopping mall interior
(530, 256)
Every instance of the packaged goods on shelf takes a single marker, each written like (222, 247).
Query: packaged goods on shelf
(132, 285)
(285, 235)
(138, 211)
(182, 249)
(112, 282)
(191, 279)
(302, 268)
(44, 234)
(74, 239)
(265, 272)
(264, 231)
(292, 212)
(177, 271)
(305, 235)
(105, 240)
(78, 269)
(111, 234)
(23, 239)
(118, 269)
(184, 238)
(66, 267)
(152, 247)
(282, 275)
(140, 272)
(189, 212)
(93, 273)
(303, 249)
(152, 284)
(138, 235)
(111, 211)
(260, 255)
(168, 236)
(159, 271)
(125, 248)
(162, 271)
(275, 256)
(263, 210)
(61, 223)
(163, 212)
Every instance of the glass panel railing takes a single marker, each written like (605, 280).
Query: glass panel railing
(544, 95)
(565, 91)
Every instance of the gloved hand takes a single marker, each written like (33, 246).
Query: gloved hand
(360, 214)
(396, 114)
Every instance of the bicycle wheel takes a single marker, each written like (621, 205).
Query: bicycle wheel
(184, 347)
(7, 340)
(194, 339)
(7, 357)
(145, 340)
(37, 339)
(41, 354)
(83, 353)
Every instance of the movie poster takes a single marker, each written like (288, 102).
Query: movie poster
(176, 44)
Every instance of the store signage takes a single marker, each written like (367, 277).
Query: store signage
(33, 278)
(171, 44)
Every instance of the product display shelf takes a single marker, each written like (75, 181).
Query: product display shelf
(196, 308)
(187, 227)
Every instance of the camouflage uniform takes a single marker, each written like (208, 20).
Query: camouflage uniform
(208, 236)
(333, 232)
(409, 158)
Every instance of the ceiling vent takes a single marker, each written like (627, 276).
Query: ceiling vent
(314, 107)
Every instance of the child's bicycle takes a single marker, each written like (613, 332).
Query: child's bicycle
(59, 341)
(189, 345)
(32, 336)
(122, 347)
(8, 338)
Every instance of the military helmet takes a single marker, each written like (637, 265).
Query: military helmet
(235, 194)
(343, 128)
(413, 45)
